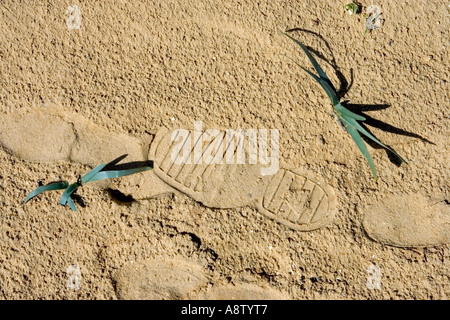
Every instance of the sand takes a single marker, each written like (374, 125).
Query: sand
(72, 98)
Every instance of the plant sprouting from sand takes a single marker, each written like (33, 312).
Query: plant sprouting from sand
(98, 173)
(348, 119)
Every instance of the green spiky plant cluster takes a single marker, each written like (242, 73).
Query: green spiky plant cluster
(345, 116)
(93, 175)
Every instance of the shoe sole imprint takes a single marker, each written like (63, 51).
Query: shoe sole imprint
(292, 198)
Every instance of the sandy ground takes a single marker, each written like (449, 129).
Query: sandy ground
(137, 66)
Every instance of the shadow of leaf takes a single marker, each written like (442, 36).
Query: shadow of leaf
(113, 165)
(358, 108)
(344, 85)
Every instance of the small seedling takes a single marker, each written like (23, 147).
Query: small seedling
(93, 175)
(348, 119)
(353, 7)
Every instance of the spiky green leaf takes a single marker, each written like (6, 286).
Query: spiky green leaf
(361, 129)
(48, 187)
(343, 110)
(332, 95)
(68, 192)
(118, 173)
(88, 176)
(360, 143)
(71, 204)
(313, 61)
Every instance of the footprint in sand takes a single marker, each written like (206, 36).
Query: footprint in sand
(291, 197)
(408, 221)
(294, 198)
(158, 280)
(241, 291)
(175, 279)
(52, 134)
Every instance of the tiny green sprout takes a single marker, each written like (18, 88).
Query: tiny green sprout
(352, 8)
(348, 119)
(95, 174)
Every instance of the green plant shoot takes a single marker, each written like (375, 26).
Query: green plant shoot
(93, 175)
(352, 8)
(345, 116)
